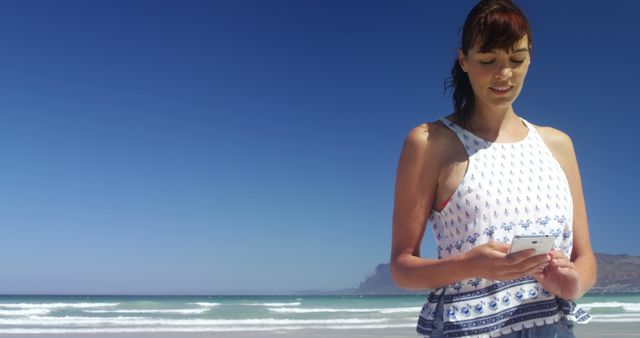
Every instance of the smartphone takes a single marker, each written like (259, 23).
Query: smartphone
(542, 243)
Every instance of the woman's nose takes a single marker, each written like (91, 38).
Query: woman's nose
(503, 73)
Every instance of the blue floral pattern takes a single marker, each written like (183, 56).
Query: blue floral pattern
(509, 189)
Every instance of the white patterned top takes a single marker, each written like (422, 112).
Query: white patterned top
(509, 189)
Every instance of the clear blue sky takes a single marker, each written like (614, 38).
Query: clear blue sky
(222, 146)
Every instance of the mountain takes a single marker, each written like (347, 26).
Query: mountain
(616, 273)
(381, 283)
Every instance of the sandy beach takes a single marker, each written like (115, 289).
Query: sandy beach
(591, 330)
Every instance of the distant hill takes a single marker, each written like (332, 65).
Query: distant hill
(616, 273)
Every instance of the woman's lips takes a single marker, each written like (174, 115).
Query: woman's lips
(501, 92)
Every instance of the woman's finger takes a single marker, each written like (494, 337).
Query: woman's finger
(558, 258)
(558, 254)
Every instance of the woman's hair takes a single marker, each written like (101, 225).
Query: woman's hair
(496, 24)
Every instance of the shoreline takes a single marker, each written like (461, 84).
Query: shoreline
(590, 330)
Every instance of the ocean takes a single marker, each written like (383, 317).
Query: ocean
(115, 314)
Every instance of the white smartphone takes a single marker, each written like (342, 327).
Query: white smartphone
(542, 243)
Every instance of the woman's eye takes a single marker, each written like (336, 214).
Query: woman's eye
(490, 62)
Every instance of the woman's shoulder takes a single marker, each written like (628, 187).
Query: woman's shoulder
(558, 141)
(552, 135)
(430, 133)
(431, 141)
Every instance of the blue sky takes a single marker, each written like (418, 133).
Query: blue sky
(251, 146)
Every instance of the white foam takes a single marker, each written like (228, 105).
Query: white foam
(197, 329)
(205, 304)
(271, 304)
(55, 305)
(631, 307)
(616, 317)
(147, 321)
(401, 309)
(72, 321)
(318, 310)
(179, 311)
(26, 312)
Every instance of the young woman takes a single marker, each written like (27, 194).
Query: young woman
(481, 176)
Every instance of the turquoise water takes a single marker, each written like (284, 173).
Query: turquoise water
(68, 314)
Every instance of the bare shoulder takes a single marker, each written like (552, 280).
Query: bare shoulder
(552, 135)
(433, 135)
(426, 146)
(558, 142)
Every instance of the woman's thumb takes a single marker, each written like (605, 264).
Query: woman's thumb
(503, 247)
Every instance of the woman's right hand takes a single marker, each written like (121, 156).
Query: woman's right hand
(492, 261)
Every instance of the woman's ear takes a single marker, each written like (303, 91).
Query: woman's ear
(462, 60)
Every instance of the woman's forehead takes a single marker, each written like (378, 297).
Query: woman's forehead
(519, 46)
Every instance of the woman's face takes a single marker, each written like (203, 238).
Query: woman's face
(490, 73)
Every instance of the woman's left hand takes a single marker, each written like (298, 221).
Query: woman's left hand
(560, 276)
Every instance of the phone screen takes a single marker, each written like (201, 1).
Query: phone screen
(542, 244)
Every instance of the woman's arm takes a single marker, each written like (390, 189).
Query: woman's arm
(415, 189)
(416, 183)
(582, 255)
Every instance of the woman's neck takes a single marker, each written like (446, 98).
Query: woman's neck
(493, 122)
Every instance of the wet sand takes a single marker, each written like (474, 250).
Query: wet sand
(591, 330)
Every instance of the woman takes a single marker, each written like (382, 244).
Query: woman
(481, 176)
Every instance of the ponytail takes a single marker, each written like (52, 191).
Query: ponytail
(463, 99)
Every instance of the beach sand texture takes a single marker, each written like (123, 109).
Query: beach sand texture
(591, 330)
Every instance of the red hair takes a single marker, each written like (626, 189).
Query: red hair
(491, 25)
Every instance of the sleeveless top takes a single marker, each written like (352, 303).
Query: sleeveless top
(509, 189)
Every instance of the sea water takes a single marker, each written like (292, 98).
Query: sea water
(104, 314)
